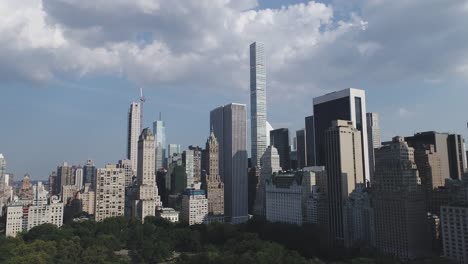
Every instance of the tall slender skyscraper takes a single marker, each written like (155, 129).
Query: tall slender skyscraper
(159, 128)
(229, 127)
(348, 104)
(134, 128)
(257, 102)
(2, 171)
(373, 139)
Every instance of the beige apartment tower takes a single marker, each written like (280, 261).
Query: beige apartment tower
(147, 197)
(343, 161)
(214, 184)
(110, 192)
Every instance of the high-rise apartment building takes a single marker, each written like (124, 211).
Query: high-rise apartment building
(188, 160)
(373, 139)
(258, 106)
(148, 199)
(229, 127)
(87, 199)
(310, 141)
(270, 165)
(197, 162)
(159, 129)
(133, 132)
(429, 167)
(110, 192)
(399, 205)
(214, 185)
(279, 138)
(301, 148)
(126, 166)
(194, 206)
(343, 161)
(348, 104)
(456, 152)
(79, 177)
(454, 225)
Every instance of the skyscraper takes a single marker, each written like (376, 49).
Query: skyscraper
(301, 148)
(343, 160)
(257, 102)
(398, 200)
(148, 198)
(213, 183)
(89, 174)
(2, 171)
(64, 176)
(188, 161)
(134, 128)
(373, 139)
(79, 177)
(279, 138)
(450, 148)
(229, 127)
(310, 141)
(270, 165)
(126, 166)
(348, 104)
(159, 128)
(173, 149)
(110, 192)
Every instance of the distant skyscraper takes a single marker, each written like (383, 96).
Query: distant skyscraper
(214, 185)
(173, 149)
(64, 176)
(348, 104)
(301, 148)
(450, 148)
(310, 141)
(279, 138)
(134, 128)
(258, 108)
(270, 165)
(159, 128)
(197, 162)
(2, 171)
(89, 174)
(110, 192)
(269, 128)
(79, 178)
(343, 161)
(148, 197)
(373, 139)
(398, 201)
(187, 158)
(229, 127)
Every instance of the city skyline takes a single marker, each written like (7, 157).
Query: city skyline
(74, 121)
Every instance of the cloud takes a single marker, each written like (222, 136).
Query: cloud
(311, 47)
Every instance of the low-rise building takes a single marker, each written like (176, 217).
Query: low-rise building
(169, 214)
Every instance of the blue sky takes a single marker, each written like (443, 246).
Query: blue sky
(69, 69)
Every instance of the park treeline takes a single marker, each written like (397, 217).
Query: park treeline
(120, 240)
